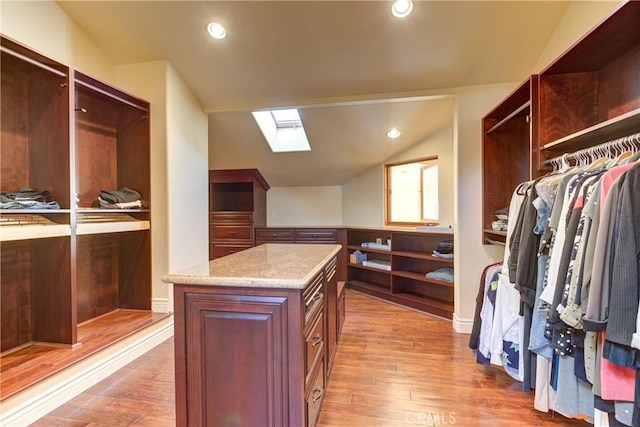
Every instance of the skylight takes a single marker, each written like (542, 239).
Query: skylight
(286, 118)
(283, 130)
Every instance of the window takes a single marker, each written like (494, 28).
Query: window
(411, 192)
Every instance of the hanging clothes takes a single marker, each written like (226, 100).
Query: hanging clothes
(572, 269)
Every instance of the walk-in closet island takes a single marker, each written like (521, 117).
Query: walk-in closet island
(250, 334)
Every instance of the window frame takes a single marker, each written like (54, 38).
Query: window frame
(387, 194)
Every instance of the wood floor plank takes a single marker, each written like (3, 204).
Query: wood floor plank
(432, 364)
(22, 368)
(394, 368)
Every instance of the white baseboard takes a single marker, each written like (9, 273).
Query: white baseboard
(37, 401)
(462, 326)
(160, 305)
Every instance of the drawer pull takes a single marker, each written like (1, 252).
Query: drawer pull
(317, 297)
(317, 394)
(233, 233)
(317, 339)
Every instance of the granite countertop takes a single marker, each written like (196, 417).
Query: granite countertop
(291, 266)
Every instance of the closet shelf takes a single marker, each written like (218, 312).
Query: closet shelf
(404, 281)
(422, 255)
(358, 284)
(85, 211)
(422, 278)
(617, 127)
(30, 226)
(364, 267)
(517, 112)
(495, 232)
(5, 212)
(370, 250)
(97, 223)
(496, 242)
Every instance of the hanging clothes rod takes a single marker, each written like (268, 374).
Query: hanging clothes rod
(631, 142)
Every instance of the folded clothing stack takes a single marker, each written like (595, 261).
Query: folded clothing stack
(445, 274)
(503, 219)
(444, 249)
(27, 198)
(125, 198)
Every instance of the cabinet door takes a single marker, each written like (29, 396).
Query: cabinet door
(235, 348)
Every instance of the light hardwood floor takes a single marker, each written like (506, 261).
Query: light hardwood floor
(394, 367)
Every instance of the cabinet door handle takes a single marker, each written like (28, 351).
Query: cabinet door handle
(317, 394)
(317, 339)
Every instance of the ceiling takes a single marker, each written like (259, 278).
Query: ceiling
(351, 67)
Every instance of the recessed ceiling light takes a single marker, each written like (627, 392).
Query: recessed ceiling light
(216, 30)
(393, 133)
(401, 8)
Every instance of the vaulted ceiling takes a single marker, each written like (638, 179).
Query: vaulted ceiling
(351, 67)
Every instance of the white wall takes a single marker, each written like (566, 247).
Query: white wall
(299, 206)
(187, 171)
(45, 28)
(363, 196)
(471, 255)
(363, 199)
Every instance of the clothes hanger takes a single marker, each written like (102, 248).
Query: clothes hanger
(629, 148)
(603, 157)
(564, 163)
(635, 147)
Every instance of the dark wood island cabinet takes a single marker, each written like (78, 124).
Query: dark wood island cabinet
(250, 336)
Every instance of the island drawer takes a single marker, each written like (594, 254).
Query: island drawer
(314, 396)
(314, 346)
(313, 297)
